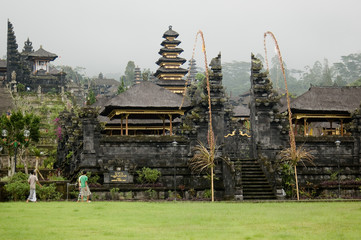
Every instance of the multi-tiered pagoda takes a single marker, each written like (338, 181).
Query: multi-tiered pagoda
(137, 75)
(169, 73)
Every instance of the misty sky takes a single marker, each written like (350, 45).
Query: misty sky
(102, 36)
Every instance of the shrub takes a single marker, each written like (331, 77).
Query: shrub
(56, 178)
(114, 192)
(207, 193)
(18, 186)
(48, 192)
(152, 194)
(147, 175)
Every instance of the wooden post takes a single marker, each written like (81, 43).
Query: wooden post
(121, 125)
(341, 127)
(163, 125)
(304, 127)
(126, 124)
(170, 124)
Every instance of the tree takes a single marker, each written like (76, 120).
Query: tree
(204, 159)
(37, 153)
(200, 77)
(294, 86)
(350, 67)
(129, 73)
(313, 75)
(356, 83)
(326, 79)
(236, 76)
(73, 74)
(15, 125)
(339, 81)
(121, 87)
(146, 73)
(91, 97)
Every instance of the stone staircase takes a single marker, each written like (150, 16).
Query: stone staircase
(254, 182)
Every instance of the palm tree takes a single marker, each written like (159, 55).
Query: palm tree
(204, 159)
(37, 153)
(292, 158)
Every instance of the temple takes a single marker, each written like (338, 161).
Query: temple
(32, 68)
(151, 125)
(169, 73)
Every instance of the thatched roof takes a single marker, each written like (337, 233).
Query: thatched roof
(327, 99)
(41, 53)
(166, 42)
(170, 33)
(105, 81)
(145, 95)
(101, 101)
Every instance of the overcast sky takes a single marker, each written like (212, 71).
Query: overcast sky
(103, 35)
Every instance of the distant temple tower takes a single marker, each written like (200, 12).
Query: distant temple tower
(13, 56)
(192, 70)
(170, 73)
(137, 75)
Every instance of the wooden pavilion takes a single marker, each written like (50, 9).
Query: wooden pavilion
(324, 110)
(145, 108)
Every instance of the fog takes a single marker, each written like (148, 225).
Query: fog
(102, 36)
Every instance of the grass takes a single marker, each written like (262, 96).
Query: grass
(180, 220)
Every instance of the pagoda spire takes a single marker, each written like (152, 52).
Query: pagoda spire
(169, 73)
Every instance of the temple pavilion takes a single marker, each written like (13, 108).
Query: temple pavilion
(170, 74)
(144, 109)
(324, 110)
(41, 60)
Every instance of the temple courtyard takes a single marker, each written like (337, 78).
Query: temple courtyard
(181, 220)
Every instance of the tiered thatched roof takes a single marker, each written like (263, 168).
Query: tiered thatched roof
(327, 99)
(145, 95)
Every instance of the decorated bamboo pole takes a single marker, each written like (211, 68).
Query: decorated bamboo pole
(291, 133)
(211, 143)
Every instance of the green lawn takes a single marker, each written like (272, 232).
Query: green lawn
(180, 220)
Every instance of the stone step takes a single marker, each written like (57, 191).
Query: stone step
(253, 178)
(244, 173)
(246, 166)
(254, 193)
(257, 186)
(263, 197)
(258, 193)
(252, 183)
